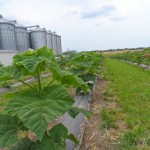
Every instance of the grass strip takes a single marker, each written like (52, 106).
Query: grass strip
(131, 85)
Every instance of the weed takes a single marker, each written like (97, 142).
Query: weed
(131, 139)
(108, 118)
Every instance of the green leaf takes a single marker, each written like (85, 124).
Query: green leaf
(89, 77)
(59, 133)
(56, 139)
(30, 60)
(24, 144)
(9, 95)
(36, 112)
(48, 143)
(5, 74)
(8, 130)
(74, 111)
(68, 78)
(73, 138)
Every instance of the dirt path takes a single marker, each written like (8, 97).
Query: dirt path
(95, 137)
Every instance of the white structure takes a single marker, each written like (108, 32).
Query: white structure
(6, 56)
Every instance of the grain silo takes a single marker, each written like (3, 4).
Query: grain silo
(59, 46)
(7, 35)
(29, 41)
(38, 38)
(49, 39)
(21, 37)
(54, 42)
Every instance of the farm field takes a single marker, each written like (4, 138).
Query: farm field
(121, 105)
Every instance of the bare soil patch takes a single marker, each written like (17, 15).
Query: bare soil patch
(96, 137)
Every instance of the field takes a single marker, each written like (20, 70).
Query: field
(120, 105)
(121, 109)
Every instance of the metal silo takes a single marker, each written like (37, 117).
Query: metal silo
(38, 38)
(59, 47)
(54, 42)
(49, 39)
(29, 40)
(21, 37)
(7, 35)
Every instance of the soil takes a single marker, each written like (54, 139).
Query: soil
(95, 137)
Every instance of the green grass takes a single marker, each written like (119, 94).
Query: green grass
(108, 118)
(131, 85)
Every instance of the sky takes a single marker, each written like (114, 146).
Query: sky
(86, 24)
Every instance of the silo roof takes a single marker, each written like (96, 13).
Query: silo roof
(38, 29)
(48, 31)
(54, 33)
(18, 24)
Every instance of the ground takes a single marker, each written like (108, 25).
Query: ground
(96, 137)
(120, 106)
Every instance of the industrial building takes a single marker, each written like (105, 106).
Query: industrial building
(15, 38)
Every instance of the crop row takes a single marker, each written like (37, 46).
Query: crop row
(139, 57)
(33, 109)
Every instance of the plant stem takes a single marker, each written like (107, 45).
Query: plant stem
(50, 83)
(25, 83)
(39, 80)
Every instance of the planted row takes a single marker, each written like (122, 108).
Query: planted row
(33, 109)
(139, 57)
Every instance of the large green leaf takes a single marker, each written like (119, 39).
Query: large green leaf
(9, 127)
(55, 140)
(68, 78)
(37, 111)
(31, 59)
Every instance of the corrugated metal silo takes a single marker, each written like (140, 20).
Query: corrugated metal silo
(54, 42)
(38, 38)
(59, 46)
(29, 40)
(7, 35)
(21, 37)
(49, 39)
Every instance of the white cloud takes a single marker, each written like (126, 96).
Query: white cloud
(124, 24)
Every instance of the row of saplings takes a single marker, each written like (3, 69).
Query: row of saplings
(33, 109)
(139, 57)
